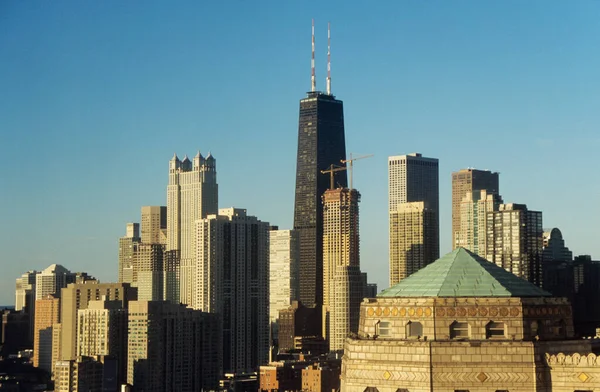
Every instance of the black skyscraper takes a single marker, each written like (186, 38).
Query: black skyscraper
(321, 142)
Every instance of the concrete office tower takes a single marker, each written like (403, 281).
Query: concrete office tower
(413, 239)
(515, 239)
(172, 348)
(473, 220)
(192, 194)
(412, 179)
(154, 225)
(148, 271)
(25, 291)
(51, 280)
(346, 295)
(341, 238)
(321, 143)
(233, 280)
(47, 313)
(283, 271)
(102, 331)
(554, 248)
(127, 247)
(78, 296)
(469, 181)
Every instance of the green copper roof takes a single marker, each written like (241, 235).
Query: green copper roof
(463, 274)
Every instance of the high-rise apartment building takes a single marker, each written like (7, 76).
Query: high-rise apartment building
(102, 331)
(413, 193)
(515, 239)
(283, 271)
(341, 238)
(154, 225)
(127, 247)
(474, 208)
(233, 280)
(83, 374)
(148, 271)
(192, 194)
(321, 143)
(344, 310)
(47, 313)
(172, 348)
(468, 181)
(413, 239)
(77, 296)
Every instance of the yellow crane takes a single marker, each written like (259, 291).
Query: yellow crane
(350, 163)
(332, 170)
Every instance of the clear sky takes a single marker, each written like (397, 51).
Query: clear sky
(96, 96)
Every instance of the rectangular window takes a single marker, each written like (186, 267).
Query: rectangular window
(385, 328)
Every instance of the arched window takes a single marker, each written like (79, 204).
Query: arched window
(371, 389)
(459, 330)
(414, 329)
(495, 330)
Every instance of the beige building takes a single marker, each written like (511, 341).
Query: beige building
(83, 374)
(77, 296)
(127, 247)
(341, 237)
(25, 291)
(413, 239)
(344, 310)
(464, 324)
(283, 271)
(154, 225)
(515, 237)
(468, 181)
(172, 348)
(474, 208)
(102, 331)
(47, 313)
(233, 280)
(149, 271)
(51, 280)
(192, 194)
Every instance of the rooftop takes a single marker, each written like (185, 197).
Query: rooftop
(462, 273)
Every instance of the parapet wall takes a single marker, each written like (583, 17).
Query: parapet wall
(580, 372)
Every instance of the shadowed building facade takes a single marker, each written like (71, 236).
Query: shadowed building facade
(321, 143)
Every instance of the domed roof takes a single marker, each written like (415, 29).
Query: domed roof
(462, 273)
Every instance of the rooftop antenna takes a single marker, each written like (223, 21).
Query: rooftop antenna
(328, 58)
(313, 81)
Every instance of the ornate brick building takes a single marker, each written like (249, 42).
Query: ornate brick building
(465, 324)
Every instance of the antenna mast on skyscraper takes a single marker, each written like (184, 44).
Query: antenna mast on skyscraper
(328, 58)
(313, 81)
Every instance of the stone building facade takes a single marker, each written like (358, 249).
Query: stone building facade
(464, 324)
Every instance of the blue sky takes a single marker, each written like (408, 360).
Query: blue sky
(96, 96)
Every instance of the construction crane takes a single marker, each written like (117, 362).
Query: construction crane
(332, 170)
(350, 162)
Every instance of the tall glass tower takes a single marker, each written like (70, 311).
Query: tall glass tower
(321, 143)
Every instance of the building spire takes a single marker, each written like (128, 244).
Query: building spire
(328, 58)
(313, 81)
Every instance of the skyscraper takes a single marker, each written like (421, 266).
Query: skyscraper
(46, 316)
(51, 280)
(473, 220)
(413, 191)
(233, 280)
(192, 194)
(25, 291)
(172, 348)
(127, 247)
(467, 181)
(321, 143)
(77, 296)
(154, 224)
(283, 271)
(102, 331)
(515, 240)
(342, 279)
(148, 271)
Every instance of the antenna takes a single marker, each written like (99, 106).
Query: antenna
(328, 58)
(313, 81)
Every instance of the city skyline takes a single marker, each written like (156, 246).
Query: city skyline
(514, 114)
